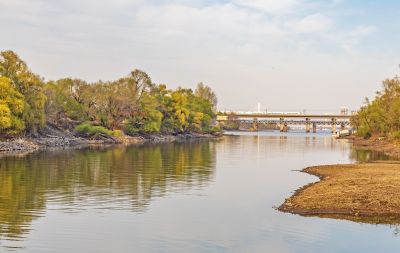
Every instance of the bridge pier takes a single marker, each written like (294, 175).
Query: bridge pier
(308, 123)
(342, 126)
(255, 124)
(314, 127)
(281, 125)
(285, 127)
(333, 125)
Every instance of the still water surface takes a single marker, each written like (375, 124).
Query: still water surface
(197, 196)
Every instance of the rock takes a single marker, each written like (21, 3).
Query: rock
(53, 137)
(17, 145)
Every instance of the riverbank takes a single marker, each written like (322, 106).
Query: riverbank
(389, 147)
(366, 192)
(64, 140)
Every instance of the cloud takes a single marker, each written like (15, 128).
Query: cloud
(363, 30)
(225, 23)
(175, 28)
(270, 6)
(312, 23)
(180, 42)
(349, 40)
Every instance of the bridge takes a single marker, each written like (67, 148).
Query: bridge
(282, 121)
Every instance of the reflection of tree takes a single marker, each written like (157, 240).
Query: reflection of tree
(123, 177)
(18, 196)
(364, 155)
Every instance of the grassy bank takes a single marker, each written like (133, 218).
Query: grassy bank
(359, 192)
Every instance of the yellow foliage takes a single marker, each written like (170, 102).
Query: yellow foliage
(5, 116)
(197, 120)
(11, 108)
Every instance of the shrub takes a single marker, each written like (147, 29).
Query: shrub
(117, 133)
(88, 130)
(215, 129)
(130, 129)
(364, 131)
(396, 134)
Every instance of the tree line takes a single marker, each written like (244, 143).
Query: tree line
(381, 116)
(132, 104)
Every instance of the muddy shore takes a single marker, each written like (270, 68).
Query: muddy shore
(368, 192)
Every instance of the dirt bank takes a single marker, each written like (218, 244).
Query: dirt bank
(383, 145)
(367, 192)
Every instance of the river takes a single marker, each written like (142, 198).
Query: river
(194, 196)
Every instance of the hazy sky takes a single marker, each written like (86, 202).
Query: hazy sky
(287, 54)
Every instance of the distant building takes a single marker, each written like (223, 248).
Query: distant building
(344, 111)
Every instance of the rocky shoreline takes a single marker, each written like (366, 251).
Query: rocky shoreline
(29, 144)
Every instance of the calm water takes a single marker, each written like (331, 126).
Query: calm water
(202, 196)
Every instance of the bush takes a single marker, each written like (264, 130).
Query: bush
(216, 129)
(396, 134)
(364, 131)
(117, 133)
(131, 130)
(88, 130)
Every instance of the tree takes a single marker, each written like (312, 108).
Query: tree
(382, 115)
(113, 103)
(141, 82)
(69, 98)
(11, 108)
(132, 103)
(29, 85)
(180, 106)
(151, 117)
(205, 92)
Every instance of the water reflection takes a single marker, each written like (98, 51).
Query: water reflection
(364, 155)
(114, 178)
(179, 197)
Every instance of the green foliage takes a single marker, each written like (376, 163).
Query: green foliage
(152, 119)
(364, 131)
(396, 134)
(68, 98)
(88, 130)
(215, 130)
(117, 133)
(148, 119)
(380, 117)
(204, 92)
(132, 103)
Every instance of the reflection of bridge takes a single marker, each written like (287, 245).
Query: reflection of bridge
(281, 121)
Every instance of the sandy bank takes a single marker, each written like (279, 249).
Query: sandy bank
(367, 192)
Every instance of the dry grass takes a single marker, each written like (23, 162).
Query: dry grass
(361, 192)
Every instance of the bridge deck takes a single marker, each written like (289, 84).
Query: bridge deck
(285, 116)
